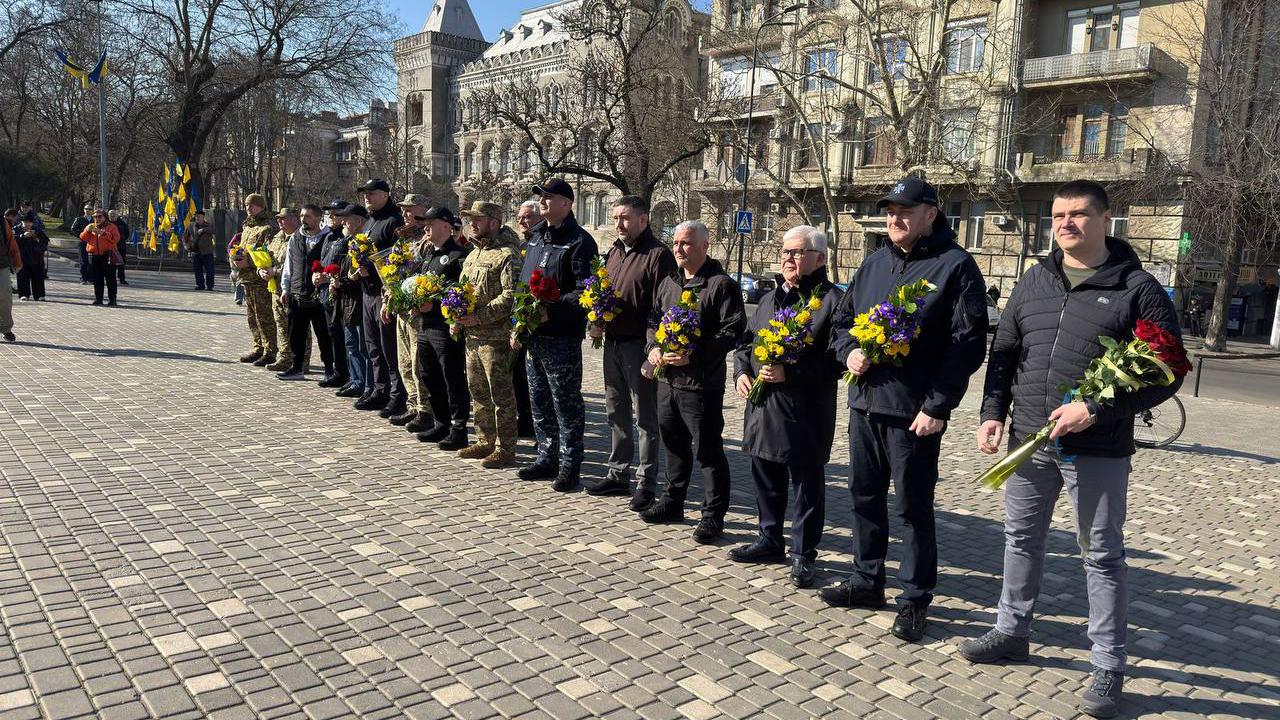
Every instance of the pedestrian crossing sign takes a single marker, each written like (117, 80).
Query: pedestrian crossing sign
(743, 222)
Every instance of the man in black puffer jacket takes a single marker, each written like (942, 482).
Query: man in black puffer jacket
(899, 413)
(388, 395)
(1091, 286)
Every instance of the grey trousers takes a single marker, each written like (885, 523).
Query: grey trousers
(625, 388)
(1098, 487)
(6, 301)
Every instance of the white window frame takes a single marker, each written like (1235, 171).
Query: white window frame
(815, 59)
(975, 33)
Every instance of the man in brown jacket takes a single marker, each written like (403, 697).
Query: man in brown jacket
(637, 263)
(199, 242)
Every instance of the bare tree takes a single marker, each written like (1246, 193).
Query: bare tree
(213, 53)
(631, 117)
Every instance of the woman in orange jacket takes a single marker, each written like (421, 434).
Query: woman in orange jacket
(10, 259)
(101, 239)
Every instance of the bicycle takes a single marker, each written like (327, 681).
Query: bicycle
(1161, 425)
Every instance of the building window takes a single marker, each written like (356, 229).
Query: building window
(671, 28)
(816, 61)
(1106, 27)
(954, 217)
(602, 210)
(805, 157)
(965, 45)
(1119, 228)
(958, 134)
(974, 227)
(1117, 130)
(880, 143)
(895, 59)
(1043, 241)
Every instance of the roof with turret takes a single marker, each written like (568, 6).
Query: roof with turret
(452, 17)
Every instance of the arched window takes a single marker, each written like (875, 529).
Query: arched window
(486, 158)
(469, 161)
(456, 161)
(601, 210)
(504, 159)
(671, 27)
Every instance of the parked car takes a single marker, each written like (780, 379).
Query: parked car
(993, 314)
(753, 287)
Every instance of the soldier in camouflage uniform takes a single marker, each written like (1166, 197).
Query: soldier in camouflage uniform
(279, 245)
(257, 230)
(417, 414)
(492, 268)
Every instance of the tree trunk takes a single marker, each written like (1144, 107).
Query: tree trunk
(1215, 336)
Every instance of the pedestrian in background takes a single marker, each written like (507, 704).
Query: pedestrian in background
(100, 240)
(199, 242)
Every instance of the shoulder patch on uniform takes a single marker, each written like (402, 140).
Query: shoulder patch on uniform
(1104, 300)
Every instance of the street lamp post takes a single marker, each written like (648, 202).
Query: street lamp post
(751, 109)
(102, 122)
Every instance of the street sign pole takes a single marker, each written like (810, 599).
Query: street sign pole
(102, 122)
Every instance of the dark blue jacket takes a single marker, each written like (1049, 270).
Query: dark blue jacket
(1048, 335)
(565, 254)
(953, 336)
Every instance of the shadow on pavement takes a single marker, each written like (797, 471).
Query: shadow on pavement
(125, 352)
(1221, 452)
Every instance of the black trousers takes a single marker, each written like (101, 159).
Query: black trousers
(520, 383)
(689, 419)
(444, 368)
(300, 317)
(338, 341)
(771, 480)
(380, 342)
(883, 448)
(103, 272)
(31, 281)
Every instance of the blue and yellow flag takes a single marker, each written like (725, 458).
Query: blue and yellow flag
(100, 71)
(77, 71)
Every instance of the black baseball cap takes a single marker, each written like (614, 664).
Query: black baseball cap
(375, 184)
(554, 186)
(336, 206)
(352, 209)
(910, 191)
(441, 213)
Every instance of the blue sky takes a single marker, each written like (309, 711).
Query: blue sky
(493, 15)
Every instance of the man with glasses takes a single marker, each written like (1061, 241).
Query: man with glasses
(897, 413)
(788, 435)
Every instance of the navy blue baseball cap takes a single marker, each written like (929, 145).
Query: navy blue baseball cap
(909, 192)
(554, 186)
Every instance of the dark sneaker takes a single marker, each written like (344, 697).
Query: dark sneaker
(994, 647)
(846, 594)
(642, 499)
(350, 391)
(539, 470)
(391, 409)
(292, 375)
(909, 625)
(10, 337)
(421, 422)
(371, 402)
(666, 510)
(403, 418)
(610, 486)
(763, 550)
(1102, 699)
(438, 432)
(455, 440)
(802, 573)
(708, 531)
(566, 480)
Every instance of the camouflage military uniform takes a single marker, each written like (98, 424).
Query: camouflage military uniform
(410, 362)
(492, 269)
(257, 230)
(284, 358)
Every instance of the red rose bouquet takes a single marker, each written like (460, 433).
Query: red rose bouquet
(526, 307)
(1153, 357)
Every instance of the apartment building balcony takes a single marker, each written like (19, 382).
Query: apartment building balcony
(1058, 166)
(1141, 62)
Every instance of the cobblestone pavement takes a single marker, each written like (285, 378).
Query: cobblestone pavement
(183, 536)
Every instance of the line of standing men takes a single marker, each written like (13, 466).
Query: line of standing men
(1090, 285)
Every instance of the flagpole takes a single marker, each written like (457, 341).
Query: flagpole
(102, 122)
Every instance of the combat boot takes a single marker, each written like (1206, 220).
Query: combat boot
(250, 356)
(499, 459)
(475, 452)
(265, 360)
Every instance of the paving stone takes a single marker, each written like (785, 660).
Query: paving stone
(312, 561)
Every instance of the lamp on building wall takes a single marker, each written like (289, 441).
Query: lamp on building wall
(777, 20)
